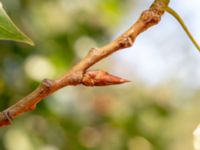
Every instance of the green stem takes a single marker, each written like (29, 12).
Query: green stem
(179, 19)
(165, 1)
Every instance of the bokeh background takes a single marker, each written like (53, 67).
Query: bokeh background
(158, 110)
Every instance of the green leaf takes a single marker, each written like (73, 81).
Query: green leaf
(9, 31)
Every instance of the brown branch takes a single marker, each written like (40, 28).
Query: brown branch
(79, 74)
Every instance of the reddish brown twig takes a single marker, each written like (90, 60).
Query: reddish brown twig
(79, 74)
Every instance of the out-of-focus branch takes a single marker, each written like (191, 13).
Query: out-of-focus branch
(79, 74)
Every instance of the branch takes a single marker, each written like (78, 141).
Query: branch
(79, 74)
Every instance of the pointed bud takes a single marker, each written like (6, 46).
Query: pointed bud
(101, 78)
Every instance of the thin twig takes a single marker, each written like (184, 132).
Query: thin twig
(79, 74)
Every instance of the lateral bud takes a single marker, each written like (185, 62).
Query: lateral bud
(101, 78)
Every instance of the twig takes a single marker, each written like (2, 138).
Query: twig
(79, 74)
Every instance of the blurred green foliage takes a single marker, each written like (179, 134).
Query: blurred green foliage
(82, 118)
